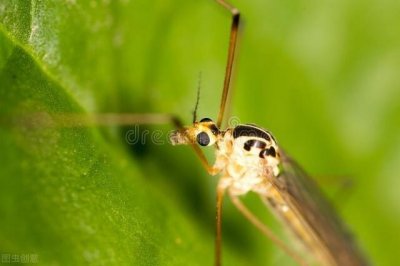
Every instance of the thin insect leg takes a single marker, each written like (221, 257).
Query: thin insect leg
(231, 55)
(218, 232)
(65, 120)
(204, 162)
(110, 119)
(265, 230)
(69, 120)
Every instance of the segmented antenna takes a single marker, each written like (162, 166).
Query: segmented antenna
(197, 100)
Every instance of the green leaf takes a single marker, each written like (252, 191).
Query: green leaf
(323, 77)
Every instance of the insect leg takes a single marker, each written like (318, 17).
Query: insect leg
(218, 232)
(265, 230)
(231, 55)
(70, 120)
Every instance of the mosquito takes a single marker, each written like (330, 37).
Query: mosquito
(249, 159)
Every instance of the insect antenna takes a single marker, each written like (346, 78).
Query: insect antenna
(197, 99)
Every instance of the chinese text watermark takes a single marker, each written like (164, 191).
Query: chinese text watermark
(19, 258)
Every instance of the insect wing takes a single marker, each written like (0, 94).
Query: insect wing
(302, 195)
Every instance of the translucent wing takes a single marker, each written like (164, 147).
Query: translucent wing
(314, 219)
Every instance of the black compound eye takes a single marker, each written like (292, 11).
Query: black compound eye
(206, 120)
(203, 139)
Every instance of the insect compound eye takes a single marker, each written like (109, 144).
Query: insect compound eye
(203, 139)
(206, 120)
(268, 152)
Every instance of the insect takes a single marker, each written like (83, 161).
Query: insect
(249, 159)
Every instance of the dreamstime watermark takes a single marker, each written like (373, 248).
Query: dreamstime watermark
(142, 136)
(19, 258)
(158, 137)
(234, 121)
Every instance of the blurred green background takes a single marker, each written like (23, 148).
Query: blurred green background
(323, 76)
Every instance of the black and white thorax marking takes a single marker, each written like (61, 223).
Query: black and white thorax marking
(246, 155)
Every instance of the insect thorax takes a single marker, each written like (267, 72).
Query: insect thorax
(248, 156)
